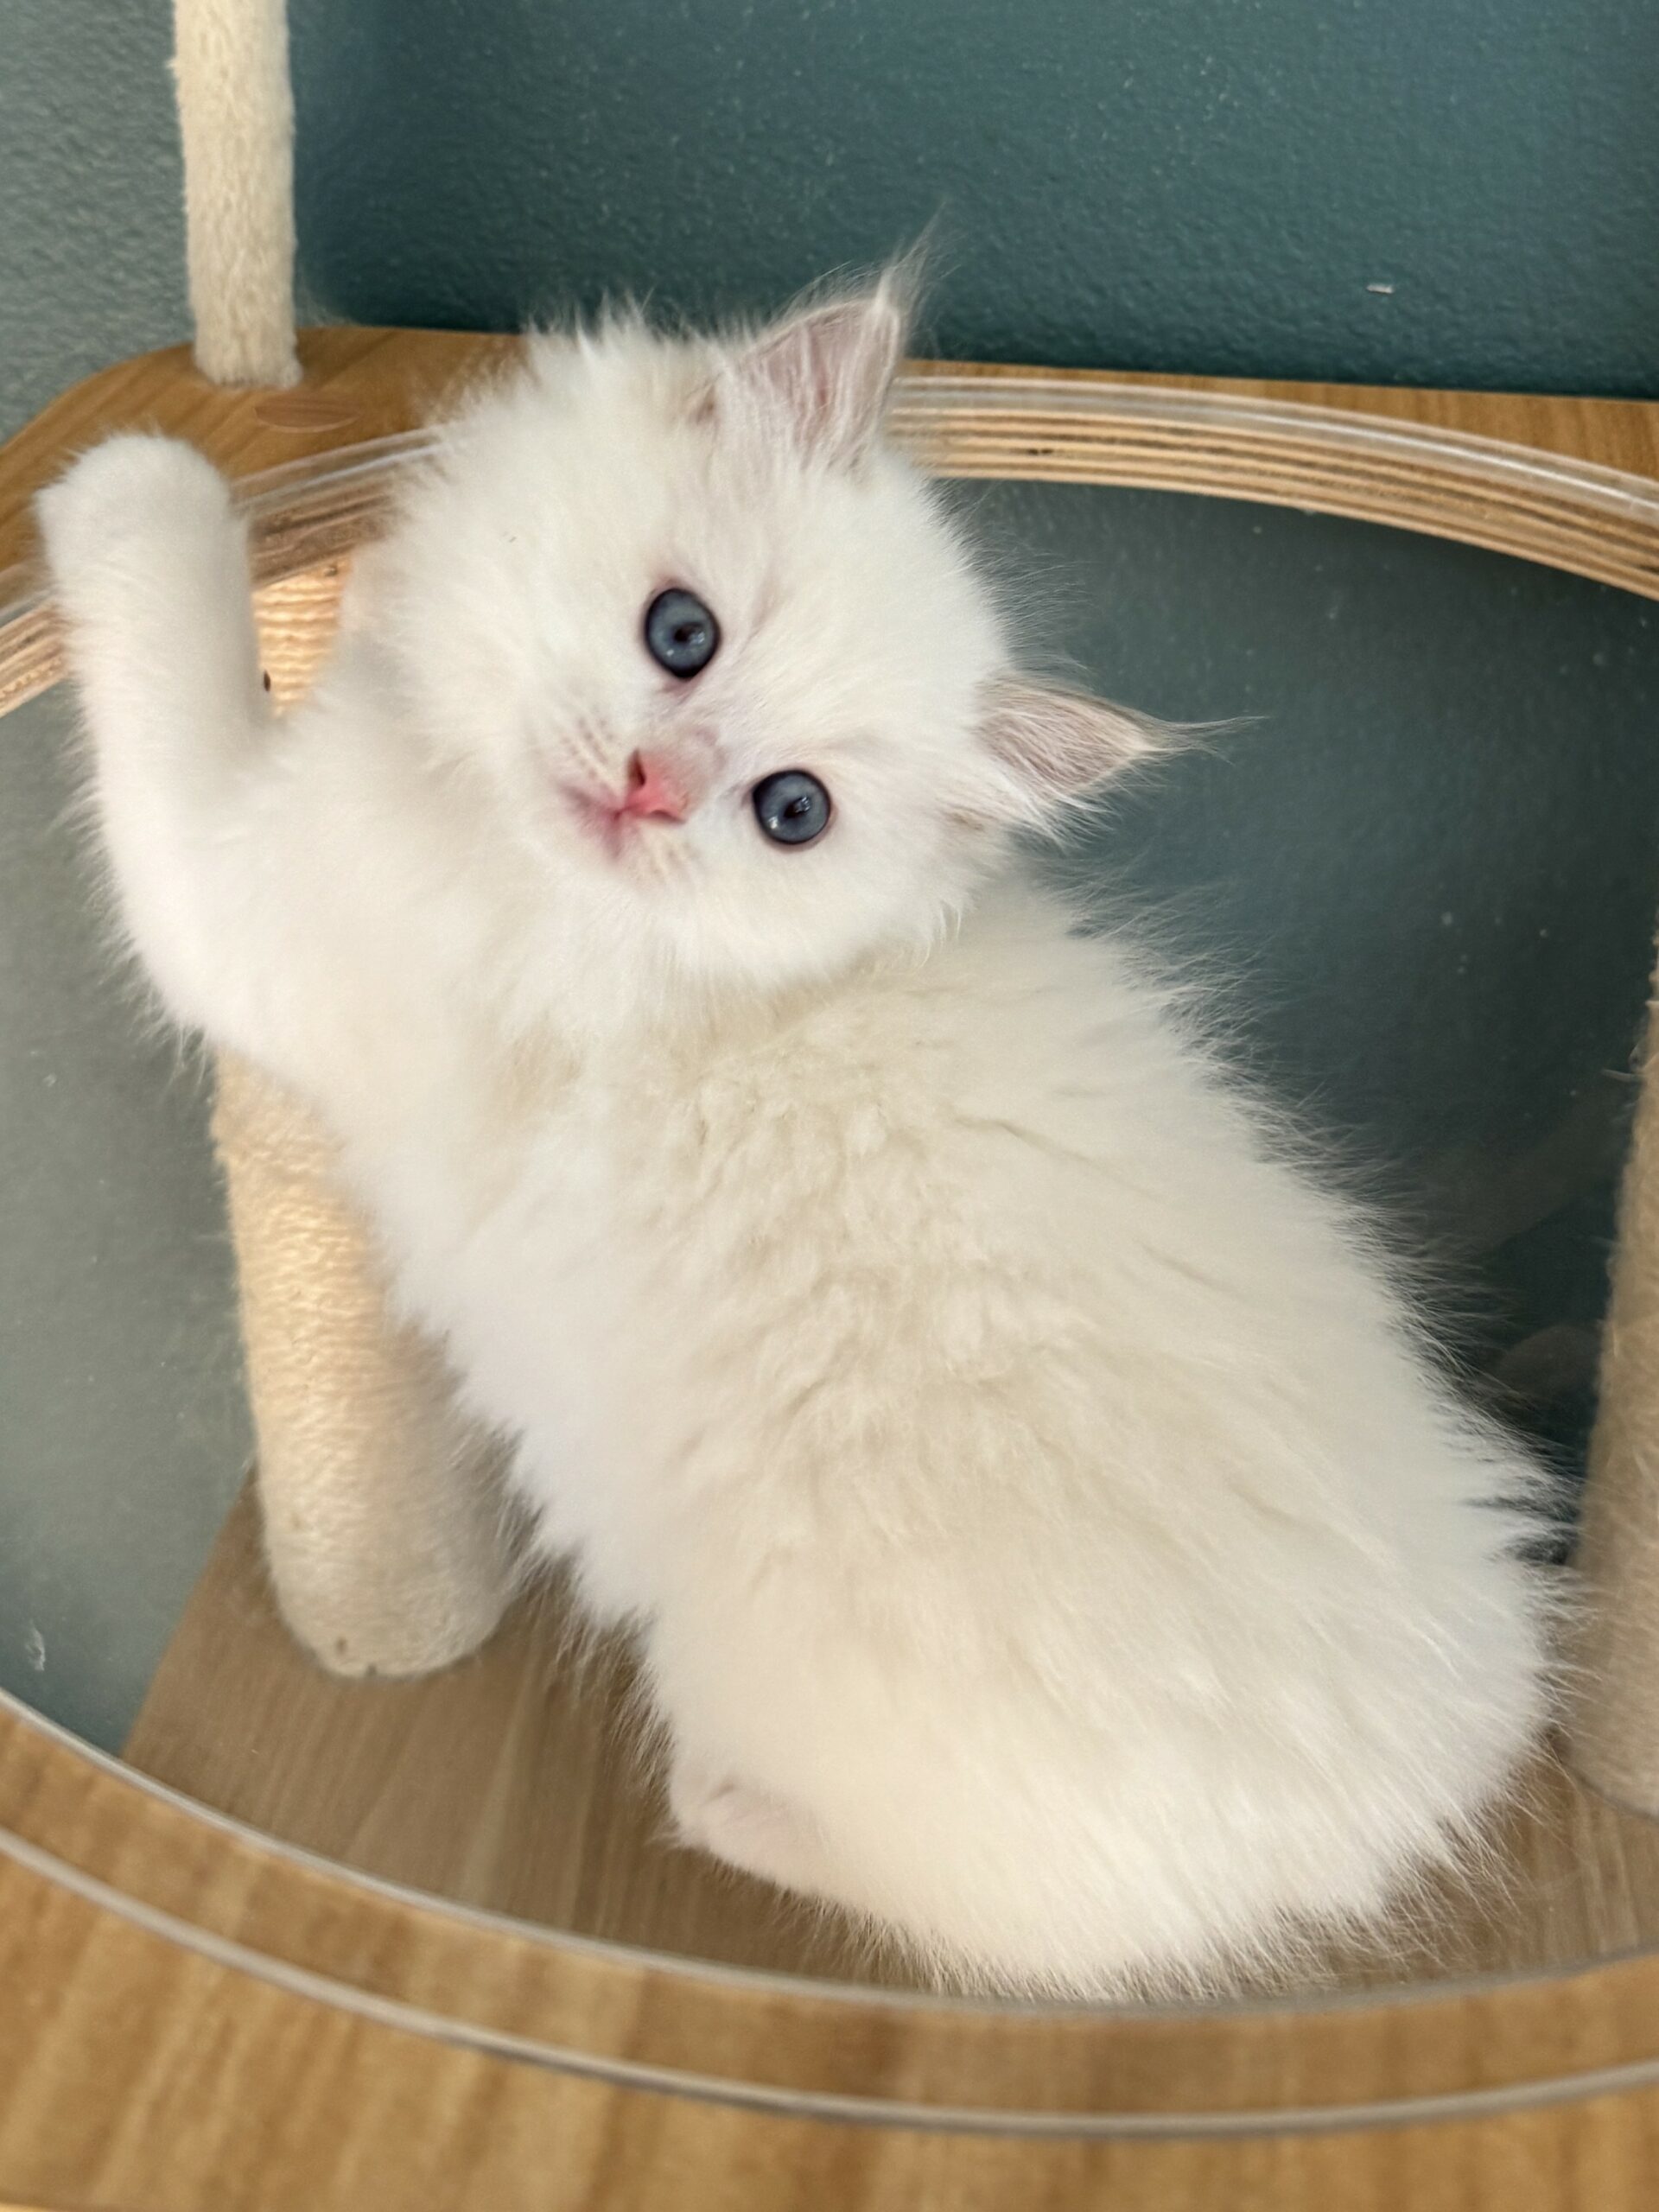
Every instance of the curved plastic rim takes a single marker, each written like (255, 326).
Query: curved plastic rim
(1577, 515)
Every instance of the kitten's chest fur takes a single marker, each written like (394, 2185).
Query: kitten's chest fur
(605, 1235)
(740, 1274)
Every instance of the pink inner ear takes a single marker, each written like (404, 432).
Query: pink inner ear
(827, 372)
(1060, 743)
(814, 366)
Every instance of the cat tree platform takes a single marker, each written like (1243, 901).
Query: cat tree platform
(371, 1943)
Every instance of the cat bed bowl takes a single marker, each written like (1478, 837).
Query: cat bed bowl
(1425, 864)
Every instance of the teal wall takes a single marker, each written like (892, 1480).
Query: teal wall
(91, 222)
(1201, 184)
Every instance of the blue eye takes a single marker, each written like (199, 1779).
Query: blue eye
(792, 807)
(681, 633)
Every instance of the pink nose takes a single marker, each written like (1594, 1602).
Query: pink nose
(653, 792)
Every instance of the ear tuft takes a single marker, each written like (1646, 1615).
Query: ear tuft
(825, 372)
(1060, 745)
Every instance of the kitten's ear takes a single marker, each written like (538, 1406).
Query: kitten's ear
(825, 372)
(1057, 744)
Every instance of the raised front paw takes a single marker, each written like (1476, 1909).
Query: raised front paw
(131, 500)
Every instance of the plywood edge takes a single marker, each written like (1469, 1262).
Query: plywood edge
(605, 2008)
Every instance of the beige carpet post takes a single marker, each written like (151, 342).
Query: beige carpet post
(1615, 1724)
(236, 121)
(384, 1518)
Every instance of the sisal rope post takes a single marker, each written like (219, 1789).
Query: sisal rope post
(385, 1525)
(384, 1522)
(1614, 1734)
(236, 121)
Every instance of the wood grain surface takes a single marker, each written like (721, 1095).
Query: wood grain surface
(152, 2079)
(193, 2016)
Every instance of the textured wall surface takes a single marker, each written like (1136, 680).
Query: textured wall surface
(1204, 184)
(1213, 185)
(92, 226)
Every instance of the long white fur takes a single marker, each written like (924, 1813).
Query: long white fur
(1047, 1534)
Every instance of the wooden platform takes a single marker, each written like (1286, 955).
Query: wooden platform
(195, 2019)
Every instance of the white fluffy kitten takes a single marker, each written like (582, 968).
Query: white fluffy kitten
(1046, 1537)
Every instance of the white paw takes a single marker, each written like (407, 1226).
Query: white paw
(746, 1828)
(156, 490)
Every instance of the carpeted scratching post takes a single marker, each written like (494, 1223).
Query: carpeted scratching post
(1615, 1721)
(236, 122)
(385, 1523)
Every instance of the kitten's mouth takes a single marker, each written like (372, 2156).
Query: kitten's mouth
(601, 819)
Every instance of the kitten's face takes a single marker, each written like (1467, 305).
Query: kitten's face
(717, 653)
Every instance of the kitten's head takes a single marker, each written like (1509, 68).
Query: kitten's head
(719, 655)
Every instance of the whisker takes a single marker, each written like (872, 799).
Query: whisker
(589, 747)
